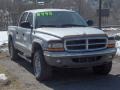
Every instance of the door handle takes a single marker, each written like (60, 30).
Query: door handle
(23, 34)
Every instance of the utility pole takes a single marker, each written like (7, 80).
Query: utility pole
(100, 14)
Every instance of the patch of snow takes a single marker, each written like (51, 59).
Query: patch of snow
(117, 44)
(3, 37)
(4, 49)
(4, 80)
(109, 29)
(118, 48)
(118, 34)
(3, 77)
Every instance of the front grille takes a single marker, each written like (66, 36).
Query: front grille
(85, 44)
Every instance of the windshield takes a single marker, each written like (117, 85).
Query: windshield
(59, 19)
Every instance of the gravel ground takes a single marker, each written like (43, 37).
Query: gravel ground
(62, 80)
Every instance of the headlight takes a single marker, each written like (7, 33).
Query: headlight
(111, 42)
(55, 46)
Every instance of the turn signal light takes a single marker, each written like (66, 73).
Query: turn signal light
(111, 45)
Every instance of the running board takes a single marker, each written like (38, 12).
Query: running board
(22, 56)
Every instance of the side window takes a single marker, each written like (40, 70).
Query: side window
(30, 18)
(23, 17)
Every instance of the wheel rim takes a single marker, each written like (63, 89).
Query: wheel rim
(37, 68)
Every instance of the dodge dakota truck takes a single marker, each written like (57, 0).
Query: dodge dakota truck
(60, 38)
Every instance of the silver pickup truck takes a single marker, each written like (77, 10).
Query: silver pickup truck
(60, 38)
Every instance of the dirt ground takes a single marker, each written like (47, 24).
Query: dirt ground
(21, 77)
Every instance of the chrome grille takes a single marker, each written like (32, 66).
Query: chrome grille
(85, 44)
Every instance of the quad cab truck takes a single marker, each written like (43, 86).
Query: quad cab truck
(60, 38)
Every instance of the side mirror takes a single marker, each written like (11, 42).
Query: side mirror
(25, 25)
(90, 22)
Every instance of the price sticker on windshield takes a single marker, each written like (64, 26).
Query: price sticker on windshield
(39, 14)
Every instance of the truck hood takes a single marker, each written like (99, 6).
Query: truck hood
(72, 31)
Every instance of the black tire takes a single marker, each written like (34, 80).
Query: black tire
(42, 70)
(12, 51)
(103, 69)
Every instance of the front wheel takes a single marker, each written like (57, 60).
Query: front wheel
(42, 70)
(103, 69)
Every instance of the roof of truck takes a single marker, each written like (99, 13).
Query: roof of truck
(44, 10)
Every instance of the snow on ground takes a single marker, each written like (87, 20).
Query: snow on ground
(109, 29)
(117, 43)
(118, 48)
(3, 37)
(3, 77)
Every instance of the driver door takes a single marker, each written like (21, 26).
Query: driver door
(27, 39)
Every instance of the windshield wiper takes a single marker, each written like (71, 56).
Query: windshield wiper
(48, 26)
(72, 25)
(64, 25)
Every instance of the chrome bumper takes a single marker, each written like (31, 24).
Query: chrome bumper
(77, 54)
(61, 59)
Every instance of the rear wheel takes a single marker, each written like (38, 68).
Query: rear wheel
(103, 69)
(42, 70)
(13, 52)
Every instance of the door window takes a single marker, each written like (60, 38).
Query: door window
(23, 17)
(30, 19)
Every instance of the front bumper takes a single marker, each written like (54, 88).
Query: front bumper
(77, 59)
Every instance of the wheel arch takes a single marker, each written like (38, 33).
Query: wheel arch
(10, 39)
(36, 46)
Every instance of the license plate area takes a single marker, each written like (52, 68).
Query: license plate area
(86, 59)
